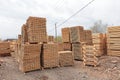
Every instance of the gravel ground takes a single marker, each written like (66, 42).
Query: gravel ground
(108, 69)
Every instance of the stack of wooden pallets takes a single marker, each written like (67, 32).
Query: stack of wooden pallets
(50, 39)
(4, 48)
(77, 37)
(66, 35)
(12, 45)
(66, 43)
(98, 41)
(89, 55)
(77, 50)
(88, 37)
(76, 34)
(24, 33)
(64, 47)
(50, 56)
(105, 43)
(113, 38)
(66, 58)
(18, 46)
(30, 57)
(36, 30)
(33, 34)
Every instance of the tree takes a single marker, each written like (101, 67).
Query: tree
(99, 27)
(58, 39)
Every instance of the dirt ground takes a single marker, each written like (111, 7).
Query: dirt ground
(108, 69)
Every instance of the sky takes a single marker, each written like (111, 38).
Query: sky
(14, 13)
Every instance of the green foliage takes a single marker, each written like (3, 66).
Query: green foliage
(58, 39)
(99, 27)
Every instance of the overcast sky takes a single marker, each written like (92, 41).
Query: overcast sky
(13, 14)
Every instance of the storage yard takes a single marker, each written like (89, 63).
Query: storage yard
(82, 55)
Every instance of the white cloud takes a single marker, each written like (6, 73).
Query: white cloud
(13, 13)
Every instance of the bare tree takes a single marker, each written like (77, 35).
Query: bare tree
(99, 27)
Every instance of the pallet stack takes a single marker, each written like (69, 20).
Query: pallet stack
(89, 55)
(36, 30)
(12, 45)
(64, 47)
(88, 37)
(50, 39)
(66, 44)
(24, 33)
(66, 58)
(76, 34)
(76, 37)
(30, 57)
(66, 35)
(113, 38)
(4, 48)
(77, 50)
(50, 56)
(33, 35)
(105, 43)
(98, 41)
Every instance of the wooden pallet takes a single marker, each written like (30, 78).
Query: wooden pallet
(99, 42)
(89, 55)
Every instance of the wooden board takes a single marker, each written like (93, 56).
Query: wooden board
(113, 52)
(97, 35)
(113, 46)
(113, 29)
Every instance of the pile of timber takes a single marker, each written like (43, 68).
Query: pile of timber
(29, 46)
(88, 37)
(99, 42)
(66, 58)
(66, 35)
(64, 47)
(4, 48)
(30, 57)
(89, 55)
(76, 34)
(50, 56)
(113, 38)
(50, 39)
